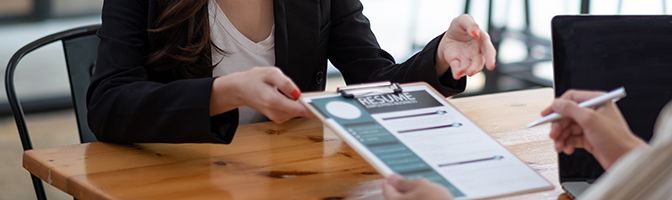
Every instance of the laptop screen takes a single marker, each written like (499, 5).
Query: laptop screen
(604, 53)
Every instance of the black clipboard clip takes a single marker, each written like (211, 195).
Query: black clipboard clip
(369, 89)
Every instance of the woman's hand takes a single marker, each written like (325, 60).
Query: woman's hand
(602, 132)
(397, 188)
(464, 49)
(265, 89)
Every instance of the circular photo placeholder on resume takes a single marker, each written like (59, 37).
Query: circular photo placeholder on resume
(343, 110)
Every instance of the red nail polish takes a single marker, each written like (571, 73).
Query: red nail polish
(296, 94)
(474, 34)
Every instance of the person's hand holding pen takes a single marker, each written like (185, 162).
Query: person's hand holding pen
(603, 131)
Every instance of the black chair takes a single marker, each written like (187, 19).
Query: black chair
(80, 46)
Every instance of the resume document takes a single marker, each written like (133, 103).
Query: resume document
(417, 134)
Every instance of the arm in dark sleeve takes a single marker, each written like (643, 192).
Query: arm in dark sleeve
(125, 107)
(353, 49)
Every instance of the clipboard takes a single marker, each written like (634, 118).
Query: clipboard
(411, 130)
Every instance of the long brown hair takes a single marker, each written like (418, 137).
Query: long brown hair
(180, 38)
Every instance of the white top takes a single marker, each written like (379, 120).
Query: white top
(643, 173)
(241, 53)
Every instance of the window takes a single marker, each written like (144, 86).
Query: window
(23, 10)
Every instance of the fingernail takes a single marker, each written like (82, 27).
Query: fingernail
(394, 178)
(296, 94)
(475, 34)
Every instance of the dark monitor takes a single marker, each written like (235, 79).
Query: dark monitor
(604, 53)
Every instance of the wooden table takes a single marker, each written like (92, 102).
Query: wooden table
(296, 160)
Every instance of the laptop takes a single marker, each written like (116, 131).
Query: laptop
(604, 53)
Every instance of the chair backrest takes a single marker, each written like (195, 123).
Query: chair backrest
(80, 56)
(80, 48)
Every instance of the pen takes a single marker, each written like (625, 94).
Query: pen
(613, 96)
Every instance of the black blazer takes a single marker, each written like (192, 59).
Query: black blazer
(128, 103)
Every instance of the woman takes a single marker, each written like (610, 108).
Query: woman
(178, 71)
(635, 170)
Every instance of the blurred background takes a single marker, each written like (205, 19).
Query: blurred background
(520, 30)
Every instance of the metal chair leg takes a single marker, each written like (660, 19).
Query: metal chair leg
(39, 188)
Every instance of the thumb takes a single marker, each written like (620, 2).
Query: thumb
(402, 185)
(468, 25)
(569, 109)
(389, 192)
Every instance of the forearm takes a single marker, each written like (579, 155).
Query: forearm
(223, 97)
(147, 111)
(353, 49)
(422, 67)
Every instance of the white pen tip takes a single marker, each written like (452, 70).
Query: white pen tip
(533, 124)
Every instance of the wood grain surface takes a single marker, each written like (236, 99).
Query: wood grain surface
(295, 160)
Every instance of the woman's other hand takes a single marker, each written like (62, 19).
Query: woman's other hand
(464, 49)
(397, 188)
(602, 132)
(265, 89)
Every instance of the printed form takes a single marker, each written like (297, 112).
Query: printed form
(417, 134)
